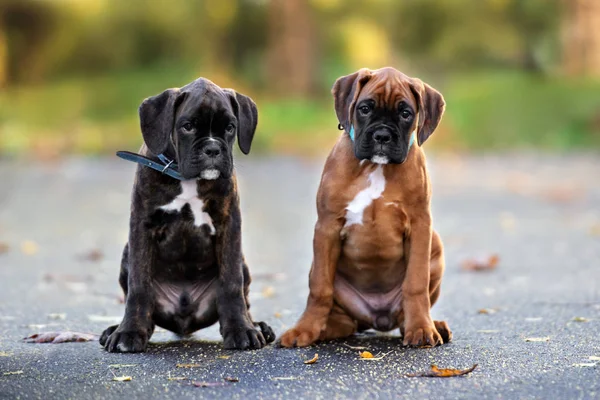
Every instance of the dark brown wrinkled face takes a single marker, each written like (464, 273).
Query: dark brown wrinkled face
(204, 132)
(384, 119)
(386, 112)
(197, 125)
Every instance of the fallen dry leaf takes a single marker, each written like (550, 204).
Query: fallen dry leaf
(4, 248)
(277, 315)
(117, 366)
(231, 379)
(481, 264)
(13, 373)
(188, 365)
(93, 255)
(355, 347)
(312, 360)
(436, 372)
(122, 378)
(538, 339)
(563, 194)
(581, 319)
(487, 311)
(594, 358)
(60, 337)
(367, 356)
(585, 365)
(268, 291)
(176, 378)
(283, 378)
(507, 221)
(208, 384)
(29, 247)
(224, 357)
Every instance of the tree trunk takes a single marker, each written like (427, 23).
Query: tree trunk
(581, 38)
(290, 51)
(3, 54)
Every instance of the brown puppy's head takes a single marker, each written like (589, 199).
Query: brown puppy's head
(197, 125)
(383, 110)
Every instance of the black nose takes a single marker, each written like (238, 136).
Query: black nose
(212, 150)
(382, 137)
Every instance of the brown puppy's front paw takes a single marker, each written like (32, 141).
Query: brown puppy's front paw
(243, 338)
(424, 334)
(125, 341)
(266, 330)
(444, 330)
(300, 336)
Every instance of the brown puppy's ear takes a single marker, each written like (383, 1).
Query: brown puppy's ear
(345, 93)
(157, 116)
(431, 108)
(247, 115)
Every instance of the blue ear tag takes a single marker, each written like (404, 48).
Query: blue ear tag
(351, 133)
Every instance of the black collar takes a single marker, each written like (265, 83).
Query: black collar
(165, 165)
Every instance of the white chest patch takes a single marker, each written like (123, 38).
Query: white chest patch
(364, 198)
(189, 195)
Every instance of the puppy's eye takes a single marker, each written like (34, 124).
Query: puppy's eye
(364, 110)
(230, 128)
(188, 127)
(405, 114)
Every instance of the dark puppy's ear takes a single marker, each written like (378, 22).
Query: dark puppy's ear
(157, 116)
(345, 93)
(431, 108)
(247, 115)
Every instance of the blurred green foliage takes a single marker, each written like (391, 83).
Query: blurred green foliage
(73, 72)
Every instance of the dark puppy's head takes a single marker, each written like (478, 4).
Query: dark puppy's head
(385, 108)
(197, 125)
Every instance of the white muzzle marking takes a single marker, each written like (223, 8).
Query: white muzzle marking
(210, 174)
(379, 159)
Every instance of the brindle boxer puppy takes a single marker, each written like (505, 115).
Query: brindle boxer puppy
(183, 267)
(377, 262)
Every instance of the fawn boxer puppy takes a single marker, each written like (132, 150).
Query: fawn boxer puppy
(183, 267)
(377, 262)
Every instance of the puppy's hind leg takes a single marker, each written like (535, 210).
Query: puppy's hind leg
(437, 266)
(137, 326)
(123, 282)
(339, 325)
(266, 330)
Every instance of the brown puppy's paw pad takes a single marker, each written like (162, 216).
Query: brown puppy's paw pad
(425, 335)
(266, 330)
(444, 330)
(299, 337)
(243, 338)
(123, 341)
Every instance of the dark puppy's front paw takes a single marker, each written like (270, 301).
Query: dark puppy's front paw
(106, 334)
(126, 341)
(266, 330)
(243, 338)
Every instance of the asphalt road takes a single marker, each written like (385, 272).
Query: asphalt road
(65, 225)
